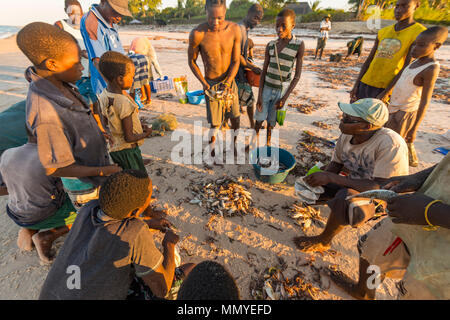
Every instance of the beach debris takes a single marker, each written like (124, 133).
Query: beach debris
(302, 108)
(306, 215)
(273, 285)
(225, 197)
(322, 125)
(381, 194)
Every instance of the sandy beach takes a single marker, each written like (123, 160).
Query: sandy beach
(250, 244)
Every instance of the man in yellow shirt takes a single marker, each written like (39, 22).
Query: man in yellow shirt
(390, 53)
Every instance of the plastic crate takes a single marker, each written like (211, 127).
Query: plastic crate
(161, 85)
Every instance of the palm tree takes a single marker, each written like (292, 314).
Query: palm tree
(314, 5)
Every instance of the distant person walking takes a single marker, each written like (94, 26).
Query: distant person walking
(325, 26)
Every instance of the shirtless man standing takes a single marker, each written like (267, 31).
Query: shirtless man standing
(219, 43)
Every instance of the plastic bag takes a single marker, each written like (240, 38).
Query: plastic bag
(281, 116)
(181, 87)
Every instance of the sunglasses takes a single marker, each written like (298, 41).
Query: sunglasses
(348, 120)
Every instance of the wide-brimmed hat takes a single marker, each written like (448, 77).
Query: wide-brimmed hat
(120, 6)
(373, 111)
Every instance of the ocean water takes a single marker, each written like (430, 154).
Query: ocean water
(8, 31)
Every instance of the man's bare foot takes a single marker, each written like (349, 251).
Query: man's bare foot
(310, 244)
(24, 240)
(348, 285)
(43, 242)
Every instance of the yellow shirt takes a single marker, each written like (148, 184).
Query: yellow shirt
(116, 107)
(430, 250)
(393, 47)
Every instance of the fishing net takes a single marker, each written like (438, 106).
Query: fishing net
(165, 122)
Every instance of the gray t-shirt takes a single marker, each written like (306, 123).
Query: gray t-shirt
(33, 196)
(108, 253)
(66, 133)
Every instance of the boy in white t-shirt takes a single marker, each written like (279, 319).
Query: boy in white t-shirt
(325, 26)
(370, 155)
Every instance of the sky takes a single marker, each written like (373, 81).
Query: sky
(19, 13)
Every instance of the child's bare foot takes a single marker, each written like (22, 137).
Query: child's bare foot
(311, 244)
(347, 284)
(43, 242)
(24, 240)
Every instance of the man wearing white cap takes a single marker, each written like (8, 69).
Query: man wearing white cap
(369, 155)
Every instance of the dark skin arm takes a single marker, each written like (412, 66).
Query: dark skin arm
(78, 171)
(323, 178)
(427, 79)
(249, 65)
(160, 281)
(363, 71)
(409, 183)
(130, 137)
(410, 209)
(298, 73)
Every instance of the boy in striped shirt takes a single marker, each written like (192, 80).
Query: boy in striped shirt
(276, 79)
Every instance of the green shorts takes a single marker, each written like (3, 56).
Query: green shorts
(65, 216)
(129, 159)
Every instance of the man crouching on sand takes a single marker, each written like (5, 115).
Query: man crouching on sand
(219, 43)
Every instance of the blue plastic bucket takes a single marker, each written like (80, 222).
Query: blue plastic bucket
(272, 176)
(196, 97)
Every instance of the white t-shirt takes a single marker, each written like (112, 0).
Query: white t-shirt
(325, 24)
(385, 155)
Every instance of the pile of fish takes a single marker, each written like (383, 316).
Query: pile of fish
(276, 287)
(305, 216)
(224, 197)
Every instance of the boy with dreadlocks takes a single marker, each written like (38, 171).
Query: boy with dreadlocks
(219, 43)
(114, 249)
(69, 141)
(121, 111)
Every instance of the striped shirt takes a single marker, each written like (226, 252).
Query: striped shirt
(141, 77)
(286, 58)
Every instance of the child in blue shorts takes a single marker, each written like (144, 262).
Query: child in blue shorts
(276, 79)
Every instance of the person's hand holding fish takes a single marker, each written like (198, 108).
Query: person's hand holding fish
(408, 208)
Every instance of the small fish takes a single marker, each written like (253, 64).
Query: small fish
(269, 290)
(298, 215)
(381, 194)
(195, 201)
